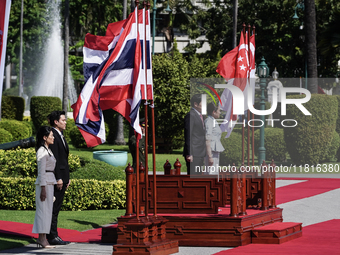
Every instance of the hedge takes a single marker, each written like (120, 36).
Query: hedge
(19, 194)
(232, 149)
(41, 107)
(313, 134)
(98, 170)
(274, 144)
(12, 107)
(77, 138)
(338, 119)
(18, 129)
(22, 163)
(5, 136)
(331, 152)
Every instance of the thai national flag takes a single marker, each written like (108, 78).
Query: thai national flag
(112, 67)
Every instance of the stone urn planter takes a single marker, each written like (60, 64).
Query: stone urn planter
(114, 158)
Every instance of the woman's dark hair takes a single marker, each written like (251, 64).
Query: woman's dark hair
(43, 131)
(211, 107)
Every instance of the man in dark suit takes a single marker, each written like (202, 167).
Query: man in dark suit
(194, 135)
(60, 151)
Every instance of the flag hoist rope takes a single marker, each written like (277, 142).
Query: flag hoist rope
(137, 140)
(146, 117)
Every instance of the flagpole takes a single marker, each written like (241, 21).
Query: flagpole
(137, 140)
(243, 118)
(253, 128)
(153, 143)
(146, 118)
(248, 113)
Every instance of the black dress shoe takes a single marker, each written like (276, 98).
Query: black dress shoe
(58, 241)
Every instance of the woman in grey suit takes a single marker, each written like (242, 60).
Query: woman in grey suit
(213, 139)
(44, 185)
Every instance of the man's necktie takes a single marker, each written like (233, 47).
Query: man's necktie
(202, 119)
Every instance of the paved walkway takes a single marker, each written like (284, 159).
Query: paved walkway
(309, 210)
(97, 249)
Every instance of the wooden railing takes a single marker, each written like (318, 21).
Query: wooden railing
(182, 194)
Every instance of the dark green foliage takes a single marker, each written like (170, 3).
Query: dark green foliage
(274, 27)
(18, 163)
(337, 129)
(274, 144)
(22, 163)
(232, 149)
(12, 107)
(18, 129)
(98, 170)
(311, 137)
(110, 119)
(19, 194)
(29, 126)
(171, 93)
(5, 136)
(77, 139)
(34, 35)
(41, 107)
(69, 125)
(331, 152)
(172, 74)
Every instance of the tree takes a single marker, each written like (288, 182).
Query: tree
(33, 36)
(172, 73)
(310, 22)
(66, 53)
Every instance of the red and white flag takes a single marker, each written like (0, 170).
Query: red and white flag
(251, 76)
(5, 8)
(236, 67)
(113, 81)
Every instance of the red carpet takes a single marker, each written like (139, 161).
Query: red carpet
(321, 238)
(23, 229)
(309, 188)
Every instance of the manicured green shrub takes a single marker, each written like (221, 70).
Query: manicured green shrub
(28, 121)
(29, 126)
(77, 138)
(23, 163)
(274, 144)
(5, 136)
(232, 149)
(69, 125)
(19, 194)
(98, 170)
(338, 119)
(331, 152)
(18, 163)
(18, 129)
(313, 134)
(12, 107)
(41, 107)
(73, 162)
(171, 95)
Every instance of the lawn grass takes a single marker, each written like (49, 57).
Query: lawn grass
(76, 220)
(160, 158)
(10, 242)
